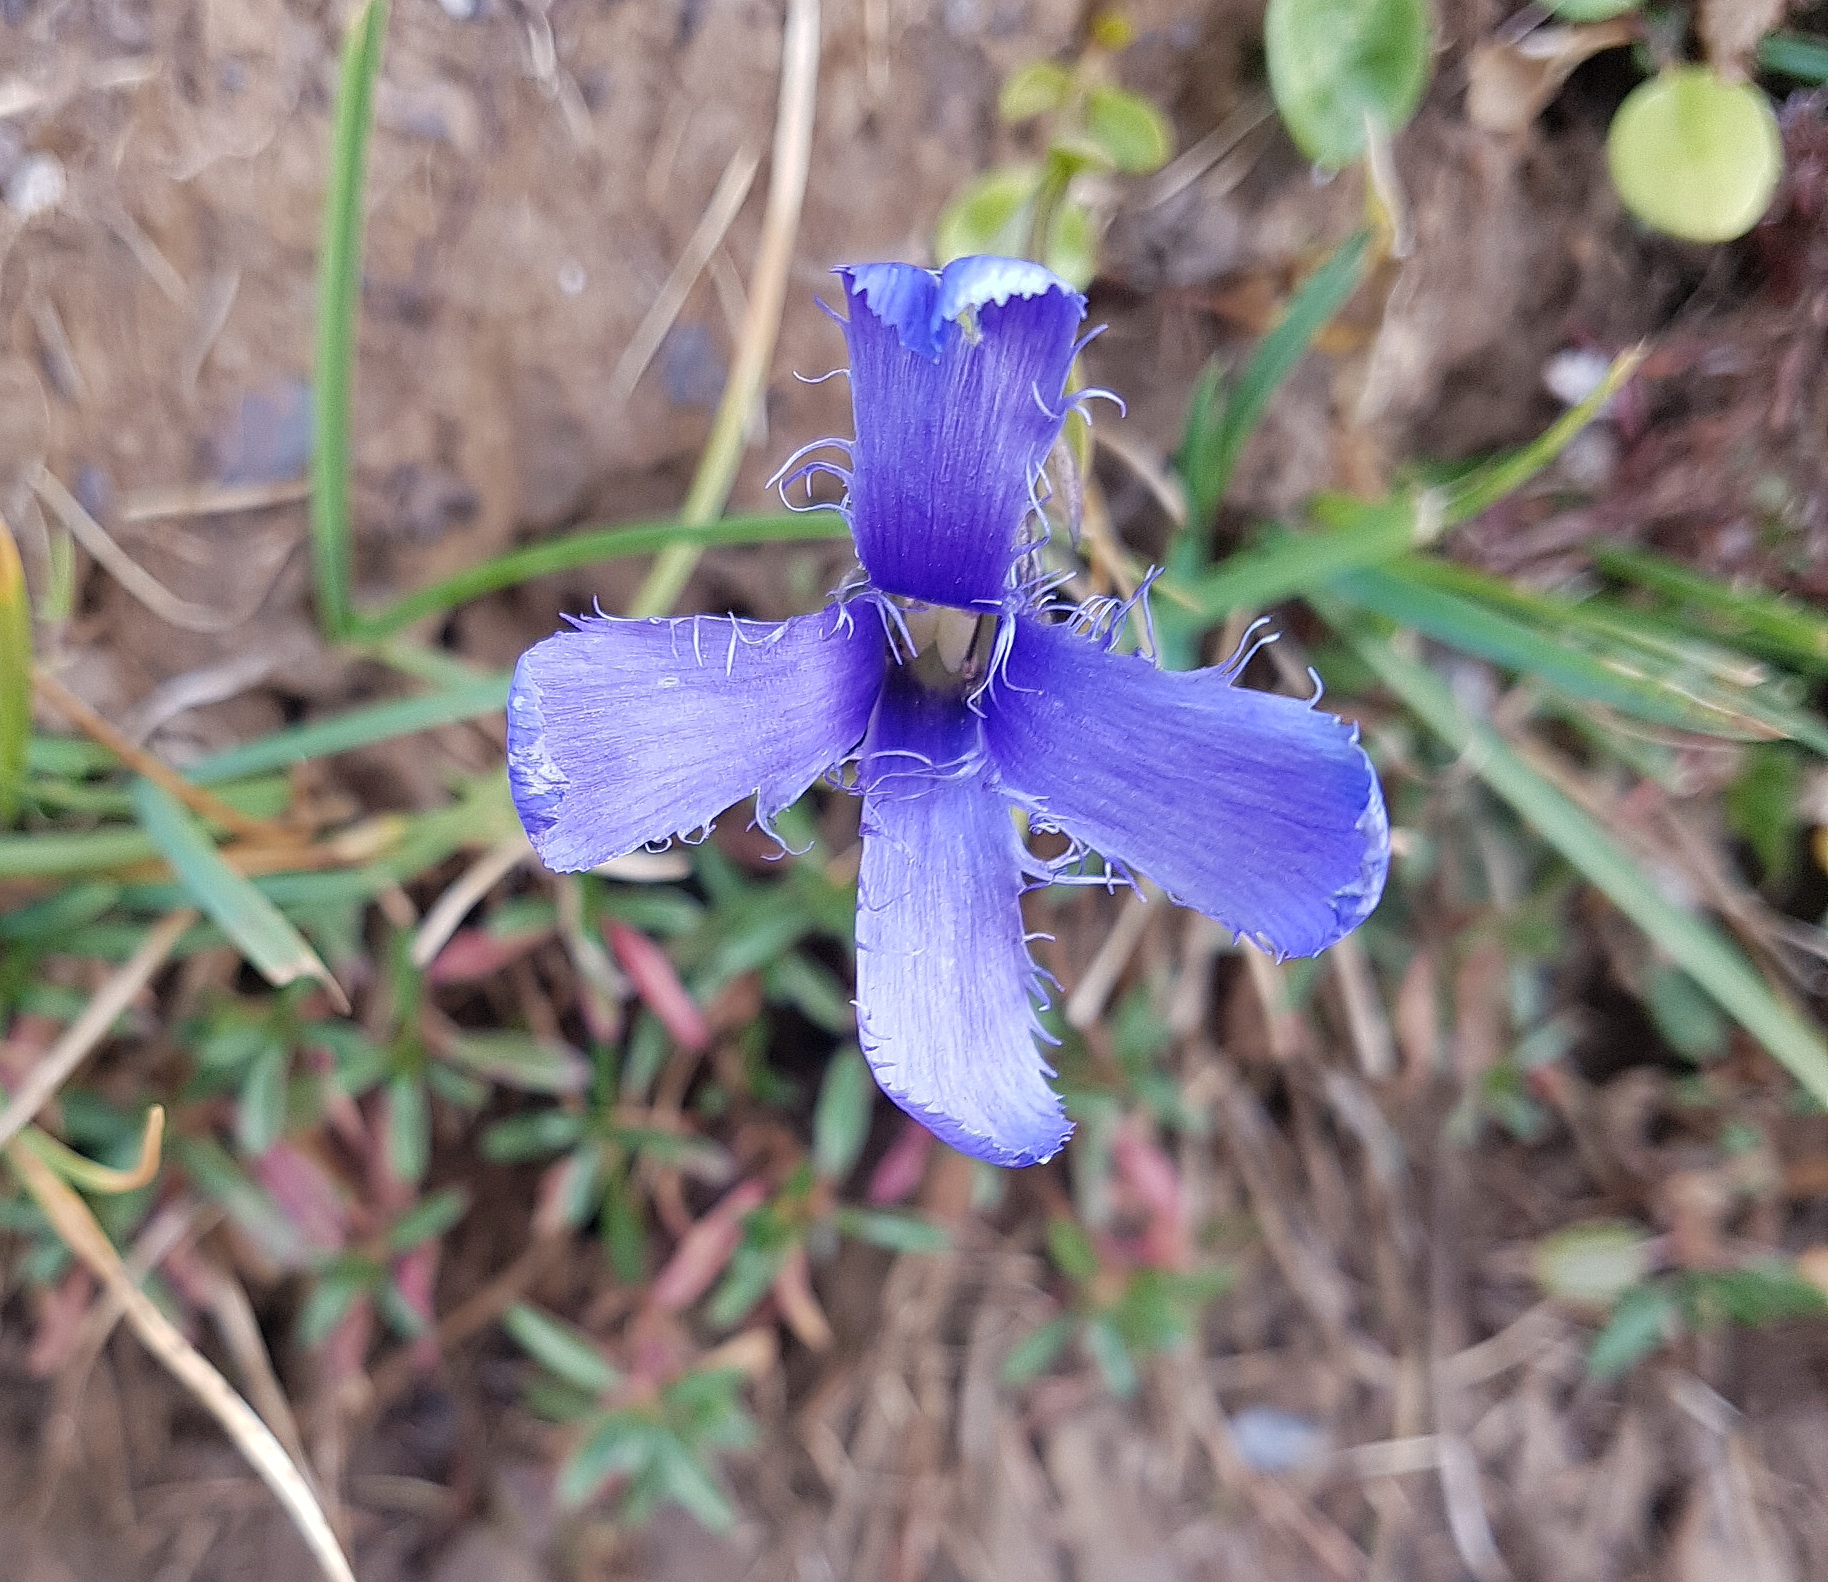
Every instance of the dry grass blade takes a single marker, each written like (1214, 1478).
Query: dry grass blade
(726, 202)
(206, 804)
(71, 1218)
(125, 570)
(211, 499)
(792, 159)
(88, 1030)
(454, 905)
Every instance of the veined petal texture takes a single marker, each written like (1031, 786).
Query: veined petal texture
(1258, 810)
(623, 732)
(958, 390)
(946, 991)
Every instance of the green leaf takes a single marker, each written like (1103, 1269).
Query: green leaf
(621, 1444)
(15, 674)
(841, 1119)
(1343, 70)
(1700, 949)
(1763, 808)
(1221, 420)
(1695, 155)
(1129, 128)
(255, 925)
(427, 1219)
(1594, 1264)
(1039, 88)
(560, 1348)
(520, 1060)
(379, 722)
(1691, 1024)
(890, 1230)
(1071, 1249)
(1591, 10)
(338, 304)
(589, 549)
(1794, 55)
(535, 1135)
(409, 1127)
(987, 217)
(1645, 1317)
(685, 1480)
(1105, 1346)
(1037, 1352)
(335, 1292)
(260, 1111)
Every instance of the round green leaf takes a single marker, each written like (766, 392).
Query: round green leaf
(1594, 1264)
(1695, 155)
(1129, 129)
(1340, 69)
(1033, 90)
(987, 216)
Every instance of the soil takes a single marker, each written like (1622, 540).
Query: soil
(537, 167)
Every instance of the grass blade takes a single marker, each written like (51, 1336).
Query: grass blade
(338, 303)
(587, 549)
(379, 722)
(71, 1219)
(1489, 483)
(1765, 622)
(1554, 646)
(255, 925)
(1711, 959)
(1220, 421)
(15, 674)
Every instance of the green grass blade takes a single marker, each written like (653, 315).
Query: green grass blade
(1711, 959)
(1218, 425)
(1486, 485)
(1285, 564)
(15, 675)
(379, 722)
(1794, 55)
(256, 926)
(1714, 689)
(1475, 628)
(587, 549)
(338, 303)
(64, 856)
(1766, 622)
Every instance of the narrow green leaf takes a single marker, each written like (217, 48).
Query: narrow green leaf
(589, 549)
(1579, 655)
(1037, 1352)
(253, 923)
(15, 675)
(1485, 485)
(1709, 958)
(1218, 426)
(427, 1219)
(891, 1230)
(686, 1481)
(331, 1298)
(1107, 1350)
(560, 1348)
(409, 1127)
(1646, 1316)
(841, 1119)
(1794, 55)
(520, 1060)
(622, 1443)
(1768, 623)
(338, 305)
(1071, 1249)
(379, 722)
(1289, 563)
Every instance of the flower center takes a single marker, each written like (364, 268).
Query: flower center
(951, 646)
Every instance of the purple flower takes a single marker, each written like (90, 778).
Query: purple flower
(961, 693)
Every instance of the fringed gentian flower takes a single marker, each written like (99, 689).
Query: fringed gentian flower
(961, 692)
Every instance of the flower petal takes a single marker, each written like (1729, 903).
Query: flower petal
(958, 389)
(1258, 810)
(946, 991)
(624, 732)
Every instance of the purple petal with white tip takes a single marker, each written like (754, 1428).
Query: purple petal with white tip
(1258, 810)
(624, 732)
(946, 991)
(958, 390)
